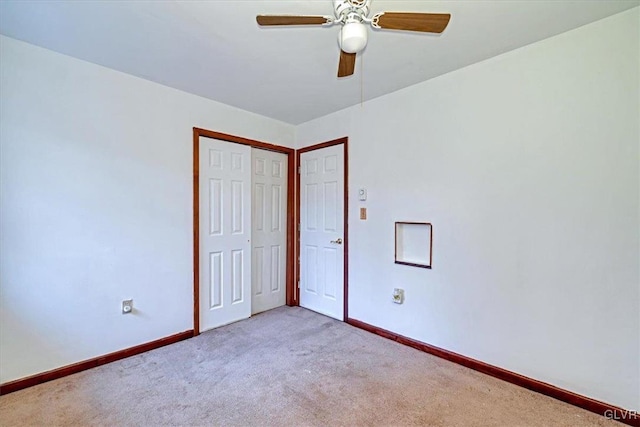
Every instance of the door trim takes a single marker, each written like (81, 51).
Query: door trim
(345, 141)
(291, 167)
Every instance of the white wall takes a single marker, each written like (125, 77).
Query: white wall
(96, 199)
(527, 165)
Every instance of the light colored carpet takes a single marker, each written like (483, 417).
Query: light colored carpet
(288, 366)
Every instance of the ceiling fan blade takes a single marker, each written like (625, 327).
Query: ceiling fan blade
(347, 64)
(423, 22)
(291, 20)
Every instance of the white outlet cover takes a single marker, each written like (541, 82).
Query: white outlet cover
(127, 306)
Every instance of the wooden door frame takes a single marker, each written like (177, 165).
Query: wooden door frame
(291, 168)
(345, 141)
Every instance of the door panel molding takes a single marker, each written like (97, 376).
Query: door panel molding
(291, 252)
(345, 141)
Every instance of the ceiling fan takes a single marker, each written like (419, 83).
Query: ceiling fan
(352, 15)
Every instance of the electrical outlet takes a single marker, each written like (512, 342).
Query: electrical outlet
(127, 306)
(398, 295)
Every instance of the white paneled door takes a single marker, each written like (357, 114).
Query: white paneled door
(269, 230)
(322, 230)
(225, 232)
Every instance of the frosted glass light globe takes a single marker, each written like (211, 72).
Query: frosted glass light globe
(353, 37)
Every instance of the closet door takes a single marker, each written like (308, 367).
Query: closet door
(225, 232)
(269, 230)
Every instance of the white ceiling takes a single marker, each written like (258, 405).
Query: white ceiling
(216, 50)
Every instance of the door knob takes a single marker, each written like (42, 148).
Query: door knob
(337, 242)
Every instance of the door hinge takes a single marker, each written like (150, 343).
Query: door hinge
(299, 169)
(298, 284)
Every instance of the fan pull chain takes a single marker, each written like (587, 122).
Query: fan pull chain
(361, 81)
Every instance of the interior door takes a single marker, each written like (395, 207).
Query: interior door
(269, 230)
(322, 230)
(225, 232)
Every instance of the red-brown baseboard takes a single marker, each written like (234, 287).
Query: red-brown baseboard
(21, 383)
(609, 411)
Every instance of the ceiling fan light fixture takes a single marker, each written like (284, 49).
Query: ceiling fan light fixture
(353, 18)
(353, 37)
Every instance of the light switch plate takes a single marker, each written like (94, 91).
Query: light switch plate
(398, 295)
(363, 213)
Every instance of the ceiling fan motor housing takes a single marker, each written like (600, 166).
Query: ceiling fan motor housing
(343, 7)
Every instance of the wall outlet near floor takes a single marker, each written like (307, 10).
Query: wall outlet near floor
(398, 295)
(127, 306)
